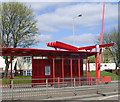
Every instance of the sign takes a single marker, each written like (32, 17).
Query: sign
(47, 70)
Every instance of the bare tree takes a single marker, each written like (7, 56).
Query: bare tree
(18, 27)
(113, 37)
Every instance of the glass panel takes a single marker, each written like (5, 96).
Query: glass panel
(24, 73)
(47, 70)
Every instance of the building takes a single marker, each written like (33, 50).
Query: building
(55, 63)
(2, 65)
(24, 65)
(104, 66)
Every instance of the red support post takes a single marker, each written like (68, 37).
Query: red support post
(63, 71)
(89, 72)
(91, 80)
(11, 71)
(96, 66)
(86, 68)
(32, 72)
(58, 82)
(101, 40)
(79, 71)
(11, 67)
(86, 72)
(71, 72)
(53, 71)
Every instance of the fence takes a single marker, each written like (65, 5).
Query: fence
(33, 89)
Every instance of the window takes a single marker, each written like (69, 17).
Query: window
(24, 73)
(27, 60)
(27, 72)
(47, 70)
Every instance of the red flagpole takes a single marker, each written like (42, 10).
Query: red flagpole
(101, 40)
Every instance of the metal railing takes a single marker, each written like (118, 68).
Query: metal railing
(32, 89)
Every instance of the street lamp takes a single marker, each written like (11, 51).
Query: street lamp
(73, 28)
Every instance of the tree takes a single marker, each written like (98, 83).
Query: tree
(18, 27)
(113, 37)
(91, 59)
(106, 56)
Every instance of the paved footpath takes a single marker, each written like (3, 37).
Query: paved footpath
(105, 96)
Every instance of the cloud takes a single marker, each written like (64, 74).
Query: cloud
(43, 38)
(46, 28)
(39, 6)
(81, 39)
(61, 17)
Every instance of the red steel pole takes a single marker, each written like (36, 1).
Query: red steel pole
(86, 67)
(96, 66)
(58, 82)
(79, 71)
(53, 71)
(71, 72)
(63, 71)
(11, 66)
(101, 40)
(32, 72)
(89, 71)
(91, 80)
(86, 72)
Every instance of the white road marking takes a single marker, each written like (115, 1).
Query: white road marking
(108, 97)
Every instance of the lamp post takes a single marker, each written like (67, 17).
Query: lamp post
(74, 29)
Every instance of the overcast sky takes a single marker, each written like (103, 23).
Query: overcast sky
(55, 21)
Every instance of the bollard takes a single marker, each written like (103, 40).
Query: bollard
(97, 91)
(74, 87)
(79, 81)
(47, 88)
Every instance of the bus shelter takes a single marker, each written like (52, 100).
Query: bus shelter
(55, 63)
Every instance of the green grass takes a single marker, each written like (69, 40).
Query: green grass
(6, 81)
(104, 73)
(22, 77)
(21, 80)
(93, 73)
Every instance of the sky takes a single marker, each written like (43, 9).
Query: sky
(55, 21)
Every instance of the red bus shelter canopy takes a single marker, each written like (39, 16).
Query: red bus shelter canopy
(6, 51)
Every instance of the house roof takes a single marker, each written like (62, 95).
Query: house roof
(7, 51)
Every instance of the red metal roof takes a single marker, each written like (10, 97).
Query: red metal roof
(6, 51)
(62, 45)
